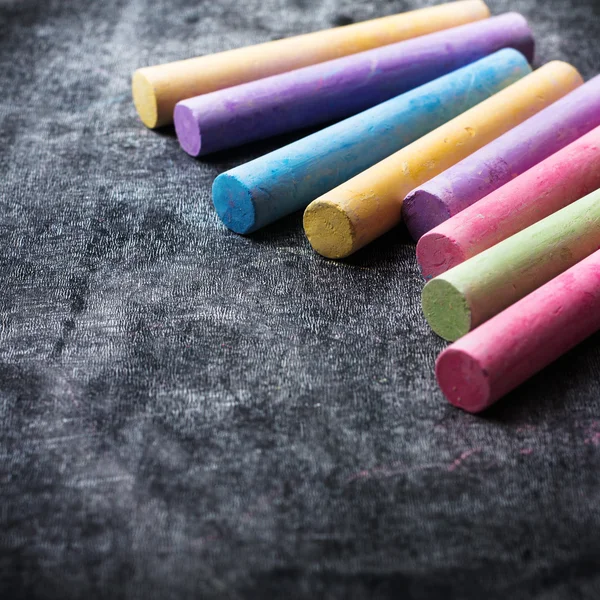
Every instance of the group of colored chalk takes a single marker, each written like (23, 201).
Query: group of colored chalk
(439, 122)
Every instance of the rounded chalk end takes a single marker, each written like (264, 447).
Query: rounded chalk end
(524, 40)
(463, 381)
(437, 253)
(446, 309)
(234, 204)
(329, 229)
(187, 129)
(422, 211)
(565, 71)
(144, 99)
(483, 9)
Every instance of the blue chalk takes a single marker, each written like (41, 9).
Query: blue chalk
(261, 191)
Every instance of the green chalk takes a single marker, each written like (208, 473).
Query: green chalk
(462, 298)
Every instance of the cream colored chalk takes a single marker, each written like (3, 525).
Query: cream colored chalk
(157, 89)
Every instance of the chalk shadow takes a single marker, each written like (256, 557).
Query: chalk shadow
(534, 400)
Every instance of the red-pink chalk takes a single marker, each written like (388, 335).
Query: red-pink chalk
(495, 358)
(566, 176)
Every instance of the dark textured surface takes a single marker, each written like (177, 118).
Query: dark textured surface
(185, 413)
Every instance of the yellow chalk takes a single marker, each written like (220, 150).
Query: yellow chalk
(157, 89)
(366, 206)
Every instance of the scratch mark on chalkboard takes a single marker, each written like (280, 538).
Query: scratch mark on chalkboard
(462, 458)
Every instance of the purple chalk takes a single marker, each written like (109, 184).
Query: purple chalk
(505, 158)
(339, 88)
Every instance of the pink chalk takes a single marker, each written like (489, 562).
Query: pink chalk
(566, 176)
(499, 355)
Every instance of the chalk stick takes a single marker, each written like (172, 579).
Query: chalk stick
(370, 204)
(504, 159)
(338, 88)
(564, 177)
(157, 89)
(489, 362)
(469, 294)
(267, 188)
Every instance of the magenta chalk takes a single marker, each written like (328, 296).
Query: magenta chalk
(504, 159)
(566, 176)
(339, 88)
(495, 358)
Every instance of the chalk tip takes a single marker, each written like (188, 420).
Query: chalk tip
(187, 129)
(234, 204)
(463, 381)
(486, 12)
(329, 229)
(568, 71)
(526, 43)
(479, 7)
(422, 211)
(438, 253)
(446, 309)
(144, 99)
